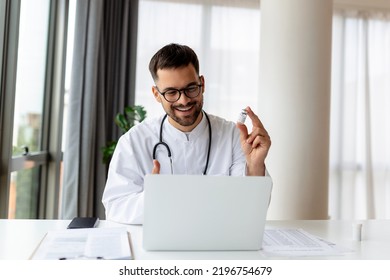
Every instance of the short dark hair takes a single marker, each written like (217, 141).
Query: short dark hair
(173, 56)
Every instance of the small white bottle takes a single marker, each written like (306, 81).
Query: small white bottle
(242, 116)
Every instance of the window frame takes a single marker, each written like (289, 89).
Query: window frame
(8, 81)
(49, 158)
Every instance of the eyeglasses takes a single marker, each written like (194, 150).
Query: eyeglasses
(173, 94)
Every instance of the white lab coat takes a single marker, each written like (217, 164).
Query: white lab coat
(123, 196)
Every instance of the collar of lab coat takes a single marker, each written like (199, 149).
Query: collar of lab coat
(178, 135)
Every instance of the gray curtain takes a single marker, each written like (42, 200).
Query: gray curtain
(102, 84)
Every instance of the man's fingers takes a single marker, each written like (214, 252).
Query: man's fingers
(257, 132)
(243, 131)
(261, 140)
(156, 167)
(254, 118)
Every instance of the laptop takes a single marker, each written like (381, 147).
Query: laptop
(196, 212)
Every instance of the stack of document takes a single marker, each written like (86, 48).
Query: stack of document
(297, 242)
(88, 243)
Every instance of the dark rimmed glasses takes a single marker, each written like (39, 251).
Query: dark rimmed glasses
(173, 94)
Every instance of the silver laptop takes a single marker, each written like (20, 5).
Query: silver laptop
(196, 212)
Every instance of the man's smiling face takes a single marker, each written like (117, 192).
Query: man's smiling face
(185, 113)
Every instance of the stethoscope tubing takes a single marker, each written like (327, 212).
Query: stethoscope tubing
(161, 142)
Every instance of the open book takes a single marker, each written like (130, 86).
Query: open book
(86, 243)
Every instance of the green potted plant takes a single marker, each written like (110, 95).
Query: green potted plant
(131, 116)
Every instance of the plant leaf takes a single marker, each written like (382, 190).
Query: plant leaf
(131, 116)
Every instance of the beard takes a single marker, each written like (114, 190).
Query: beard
(187, 120)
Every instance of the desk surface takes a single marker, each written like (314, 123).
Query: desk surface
(19, 238)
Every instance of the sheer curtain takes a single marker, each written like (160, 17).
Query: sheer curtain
(360, 116)
(224, 34)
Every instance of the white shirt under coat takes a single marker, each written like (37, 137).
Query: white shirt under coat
(123, 197)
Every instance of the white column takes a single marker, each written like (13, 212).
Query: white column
(294, 103)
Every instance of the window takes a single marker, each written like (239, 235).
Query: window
(360, 131)
(32, 46)
(29, 105)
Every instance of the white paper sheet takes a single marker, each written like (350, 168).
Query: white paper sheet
(297, 242)
(91, 243)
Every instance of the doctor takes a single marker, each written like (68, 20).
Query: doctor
(186, 140)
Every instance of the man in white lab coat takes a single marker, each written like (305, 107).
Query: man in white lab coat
(186, 140)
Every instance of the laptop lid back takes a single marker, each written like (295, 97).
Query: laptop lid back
(195, 212)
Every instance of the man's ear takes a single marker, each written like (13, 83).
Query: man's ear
(202, 82)
(156, 94)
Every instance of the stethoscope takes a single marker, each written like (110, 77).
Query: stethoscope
(169, 150)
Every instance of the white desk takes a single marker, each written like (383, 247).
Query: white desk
(19, 238)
